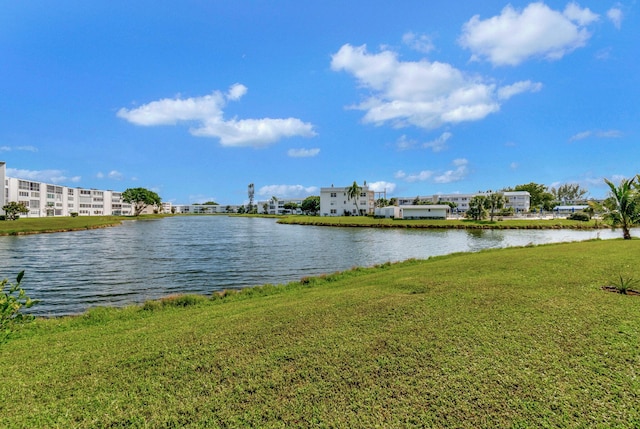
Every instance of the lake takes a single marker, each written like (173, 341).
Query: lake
(142, 260)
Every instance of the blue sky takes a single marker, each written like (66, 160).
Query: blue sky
(197, 99)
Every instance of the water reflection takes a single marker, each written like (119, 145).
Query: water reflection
(143, 260)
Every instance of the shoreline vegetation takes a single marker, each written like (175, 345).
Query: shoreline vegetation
(25, 226)
(371, 222)
(515, 337)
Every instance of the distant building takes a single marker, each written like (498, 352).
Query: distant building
(334, 202)
(520, 201)
(276, 207)
(5, 189)
(45, 199)
(431, 211)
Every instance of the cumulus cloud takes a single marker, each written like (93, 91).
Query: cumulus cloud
(288, 191)
(615, 15)
(453, 175)
(537, 31)
(418, 42)
(609, 134)
(303, 153)
(382, 186)
(458, 173)
(419, 93)
(47, 176)
(207, 115)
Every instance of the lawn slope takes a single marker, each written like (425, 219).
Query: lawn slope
(516, 338)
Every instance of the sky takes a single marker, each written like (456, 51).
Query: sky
(196, 99)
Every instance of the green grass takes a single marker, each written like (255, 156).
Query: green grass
(63, 223)
(512, 338)
(367, 221)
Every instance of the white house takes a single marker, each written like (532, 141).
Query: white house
(433, 211)
(335, 202)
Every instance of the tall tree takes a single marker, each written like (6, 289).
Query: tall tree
(495, 201)
(541, 198)
(477, 207)
(251, 193)
(353, 192)
(141, 198)
(569, 192)
(622, 208)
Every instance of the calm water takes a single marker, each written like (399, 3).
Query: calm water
(144, 260)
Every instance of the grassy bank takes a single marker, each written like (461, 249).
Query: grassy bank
(62, 223)
(367, 221)
(515, 338)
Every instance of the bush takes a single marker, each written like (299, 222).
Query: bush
(73, 214)
(581, 216)
(11, 304)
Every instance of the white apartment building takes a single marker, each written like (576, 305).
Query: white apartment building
(276, 207)
(3, 182)
(335, 202)
(520, 201)
(44, 199)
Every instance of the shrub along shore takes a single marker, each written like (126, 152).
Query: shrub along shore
(367, 221)
(516, 337)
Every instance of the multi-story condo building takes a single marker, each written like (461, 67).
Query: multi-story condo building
(520, 201)
(335, 202)
(45, 199)
(277, 207)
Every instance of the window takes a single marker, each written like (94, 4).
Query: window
(334, 194)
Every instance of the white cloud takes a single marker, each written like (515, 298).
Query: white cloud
(418, 42)
(382, 186)
(439, 144)
(288, 191)
(423, 94)
(514, 165)
(615, 15)
(537, 31)
(207, 114)
(506, 92)
(47, 176)
(417, 177)
(303, 153)
(404, 143)
(457, 174)
(23, 148)
(609, 134)
(115, 175)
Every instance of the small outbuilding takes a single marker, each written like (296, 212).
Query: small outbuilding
(433, 211)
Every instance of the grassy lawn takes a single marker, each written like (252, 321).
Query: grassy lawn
(514, 338)
(58, 224)
(367, 221)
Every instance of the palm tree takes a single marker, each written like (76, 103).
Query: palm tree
(495, 201)
(622, 208)
(353, 192)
